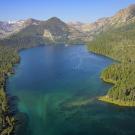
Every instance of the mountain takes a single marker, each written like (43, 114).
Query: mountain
(11, 27)
(34, 31)
(123, 17)
(76, 25)
(55, 30)
(126, 15)
(7, 29)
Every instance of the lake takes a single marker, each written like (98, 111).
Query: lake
(57, 88)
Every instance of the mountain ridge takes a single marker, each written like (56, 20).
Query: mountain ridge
(119, 43)
(71, 31)
(57, 31)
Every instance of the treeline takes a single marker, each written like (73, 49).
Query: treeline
(119, 44)
(8, 57)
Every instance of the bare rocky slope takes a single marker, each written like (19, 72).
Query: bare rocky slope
(121, 18)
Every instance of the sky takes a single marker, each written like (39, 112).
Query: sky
(67, 10)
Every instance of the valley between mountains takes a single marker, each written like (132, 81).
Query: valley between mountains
(113, 37)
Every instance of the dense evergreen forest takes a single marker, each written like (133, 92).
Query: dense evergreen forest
(8, 57)
(119, 44)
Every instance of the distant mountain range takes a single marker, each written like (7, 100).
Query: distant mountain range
(55, 30)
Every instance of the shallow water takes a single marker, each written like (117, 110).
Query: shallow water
(57, 88)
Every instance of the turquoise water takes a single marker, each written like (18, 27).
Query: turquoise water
(57, 87)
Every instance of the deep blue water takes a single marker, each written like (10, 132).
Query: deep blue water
(57, 88)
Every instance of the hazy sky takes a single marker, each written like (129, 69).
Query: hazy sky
(67, 10)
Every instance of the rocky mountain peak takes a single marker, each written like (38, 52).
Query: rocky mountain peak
(131, 8)
(31, 21)
(56, 25)
(124, 15)
(55, 20)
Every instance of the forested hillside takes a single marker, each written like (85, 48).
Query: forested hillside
(119, 44)
(8, 57)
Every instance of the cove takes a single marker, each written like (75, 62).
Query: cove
(57, 88)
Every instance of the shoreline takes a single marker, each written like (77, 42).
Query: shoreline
(116, 102)
(8, 118)
(105, 98)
